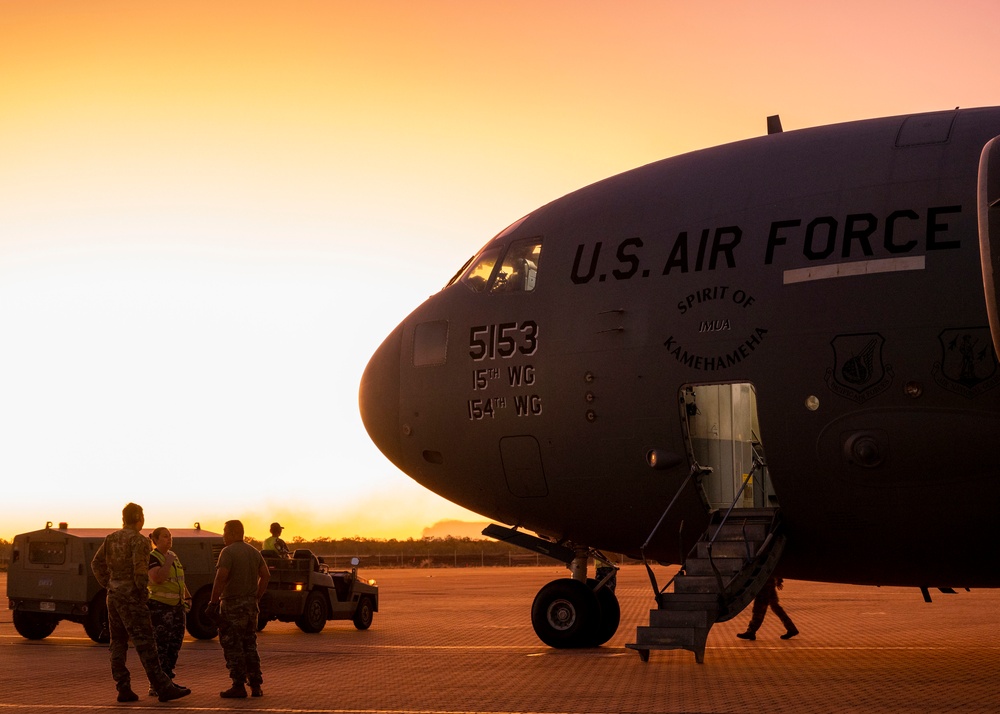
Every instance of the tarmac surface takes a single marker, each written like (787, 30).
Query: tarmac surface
(450, 641)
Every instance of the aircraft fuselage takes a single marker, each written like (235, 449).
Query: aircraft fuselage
(814, 299)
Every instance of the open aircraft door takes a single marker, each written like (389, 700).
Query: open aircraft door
(989, 232)
(723, 434)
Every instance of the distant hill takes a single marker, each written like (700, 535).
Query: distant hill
(456, 529)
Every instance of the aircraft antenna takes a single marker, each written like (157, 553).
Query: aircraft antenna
(774, 124)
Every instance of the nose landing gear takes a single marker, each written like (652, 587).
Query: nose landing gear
(573, 612)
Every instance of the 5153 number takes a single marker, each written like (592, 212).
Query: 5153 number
(504, 339)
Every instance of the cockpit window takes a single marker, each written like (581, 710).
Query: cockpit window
(456, 276)
(517, 272)
(479, 274)
(480, 270)
(519, 269)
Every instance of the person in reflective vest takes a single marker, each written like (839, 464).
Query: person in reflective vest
(169, 600)
(275, 543)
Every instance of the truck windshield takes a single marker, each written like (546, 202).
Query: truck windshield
(42, 553)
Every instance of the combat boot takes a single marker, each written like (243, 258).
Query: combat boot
(237, 691)
(125, 694)
(748, 635)
(172, 691)
(256, 691)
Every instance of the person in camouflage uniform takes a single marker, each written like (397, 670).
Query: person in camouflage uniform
(168, 630)
(240, 582)
(768, 597)
(121, 566)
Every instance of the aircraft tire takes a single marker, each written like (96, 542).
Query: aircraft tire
(96, 623)
(564, 614)
(313, 617)
(34, 625)
(610, 615)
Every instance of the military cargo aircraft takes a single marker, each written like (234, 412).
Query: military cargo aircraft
(773, 356)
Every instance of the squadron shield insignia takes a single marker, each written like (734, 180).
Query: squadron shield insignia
(968, 363)
(859, 372)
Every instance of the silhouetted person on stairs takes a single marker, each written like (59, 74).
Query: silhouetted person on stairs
(768, 597)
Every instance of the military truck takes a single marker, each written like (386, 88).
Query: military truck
(50, 579)
(303, 590)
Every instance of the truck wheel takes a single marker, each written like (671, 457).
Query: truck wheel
(96, 624)
(197, 624)
(365, 613)
(262, 621)
(34, 625)
(313, 617)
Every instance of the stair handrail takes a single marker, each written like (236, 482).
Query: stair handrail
(695, 470)
(757, 463)
(756, 448)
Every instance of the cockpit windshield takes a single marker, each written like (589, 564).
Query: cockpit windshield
(519, 269)
(478, 270)
(477, 275)
(516, 272)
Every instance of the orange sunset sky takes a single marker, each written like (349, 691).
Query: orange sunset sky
(211, 213)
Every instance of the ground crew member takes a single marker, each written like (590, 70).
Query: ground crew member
(121, 566)
(169, 600)
(275, 543)
(240, 582)
(768, 597)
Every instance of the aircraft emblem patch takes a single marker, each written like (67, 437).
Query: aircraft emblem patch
(859, 372)
(968, 363)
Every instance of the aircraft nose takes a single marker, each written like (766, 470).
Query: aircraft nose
(378, 396)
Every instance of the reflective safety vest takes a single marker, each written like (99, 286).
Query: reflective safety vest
(171, 590)
(272, 544)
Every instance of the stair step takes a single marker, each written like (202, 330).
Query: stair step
(703, 566)
(726, 549)
(677, 637)
(737, 531)
(681, 618)
(696, 584)
(761, 513)
(687, 601)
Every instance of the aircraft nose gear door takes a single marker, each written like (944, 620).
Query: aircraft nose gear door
(989, 232)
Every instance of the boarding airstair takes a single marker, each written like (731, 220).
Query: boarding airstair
(722, 574)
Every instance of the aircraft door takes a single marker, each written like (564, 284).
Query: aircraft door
(989, 232)
(724, 435)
